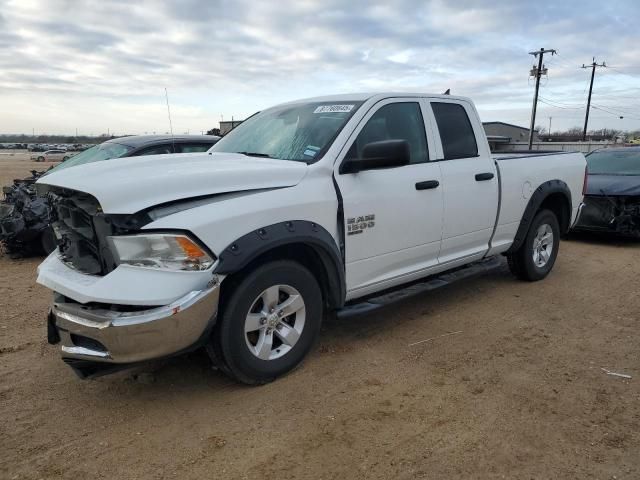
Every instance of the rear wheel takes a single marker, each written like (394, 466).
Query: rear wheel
(64, 159)
(269, 323)
(536, 256)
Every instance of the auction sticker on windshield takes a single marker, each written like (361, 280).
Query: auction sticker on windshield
(311, 151)
(333, 109)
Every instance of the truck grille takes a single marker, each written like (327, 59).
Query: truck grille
(73, 215)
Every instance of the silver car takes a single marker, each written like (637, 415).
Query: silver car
(51, 156)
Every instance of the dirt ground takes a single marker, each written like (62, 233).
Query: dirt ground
(516, 390)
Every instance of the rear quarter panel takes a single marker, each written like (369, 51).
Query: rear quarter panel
(520, 176)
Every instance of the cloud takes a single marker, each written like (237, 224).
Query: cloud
(105, 64)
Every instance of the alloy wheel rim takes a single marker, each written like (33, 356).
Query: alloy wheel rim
(542, 245)
(275, 321)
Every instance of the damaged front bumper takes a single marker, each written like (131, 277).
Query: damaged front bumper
(96, 340)
(131, 315)
(611, 214)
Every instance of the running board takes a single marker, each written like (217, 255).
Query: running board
(426, 285)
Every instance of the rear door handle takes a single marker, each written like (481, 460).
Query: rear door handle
(427, 185)
(480, 177)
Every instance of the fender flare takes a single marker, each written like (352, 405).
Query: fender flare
(540, 195)
(252, 245)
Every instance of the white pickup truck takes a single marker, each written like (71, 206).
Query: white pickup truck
(308, 207)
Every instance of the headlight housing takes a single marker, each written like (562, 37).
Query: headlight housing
(165, 251)
(6, 210)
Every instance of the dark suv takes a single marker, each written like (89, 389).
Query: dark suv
(139, 145)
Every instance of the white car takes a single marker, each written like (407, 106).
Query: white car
(318, 205)
(51, 156)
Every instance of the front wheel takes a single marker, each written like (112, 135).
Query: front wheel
(40, 159)
(536, 256)
(269, 322)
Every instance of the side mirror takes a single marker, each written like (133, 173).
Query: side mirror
(384, 154)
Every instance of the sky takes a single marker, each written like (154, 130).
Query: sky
(103, 66)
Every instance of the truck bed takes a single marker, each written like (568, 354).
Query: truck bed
(520, 173)
(527, 153)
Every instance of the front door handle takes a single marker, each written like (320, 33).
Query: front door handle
(480, 177)
(427, 185)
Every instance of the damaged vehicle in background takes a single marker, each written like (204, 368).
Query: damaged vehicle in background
(612, 200)
(24, 217)
(141, 145)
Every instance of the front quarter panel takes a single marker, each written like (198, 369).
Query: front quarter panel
(219, 223)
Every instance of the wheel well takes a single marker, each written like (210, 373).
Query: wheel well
(553, 195)
(302, 253)
(559, 204)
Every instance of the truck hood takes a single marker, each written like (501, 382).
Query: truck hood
(613, 185)
(128, 185)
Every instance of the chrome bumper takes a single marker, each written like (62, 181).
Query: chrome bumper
(580, 208)
(116, 337)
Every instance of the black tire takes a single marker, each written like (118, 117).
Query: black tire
(64, 159)
(521, 262)
(229, 347)
(48, 241)
(40, 159)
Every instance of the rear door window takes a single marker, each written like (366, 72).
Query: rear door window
(156, 150)
(193, 147)
(456, 131)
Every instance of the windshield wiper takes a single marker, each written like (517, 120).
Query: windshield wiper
(255, 154)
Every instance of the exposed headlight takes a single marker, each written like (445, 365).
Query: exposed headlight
(6, 209)
(161, 250)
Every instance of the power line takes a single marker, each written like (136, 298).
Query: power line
(537, 72)
(615, 69)
(542, 100)
(593, 73)
(613, 111)
(607, 111)
(560, 63)
(561, 104)
(616, 113)
(559, 60)
(630, 109)
(618, 97)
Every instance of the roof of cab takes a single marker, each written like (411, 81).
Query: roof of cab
(362, 97)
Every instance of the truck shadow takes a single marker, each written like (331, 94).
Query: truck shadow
(604, 239)
(413, 308)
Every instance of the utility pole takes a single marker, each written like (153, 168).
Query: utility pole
(549, 133)
(537, 72)
(593, 73)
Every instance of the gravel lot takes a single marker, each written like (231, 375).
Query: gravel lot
(518, 393)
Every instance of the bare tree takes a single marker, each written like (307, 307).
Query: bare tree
(605, 132)
(573, 131)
